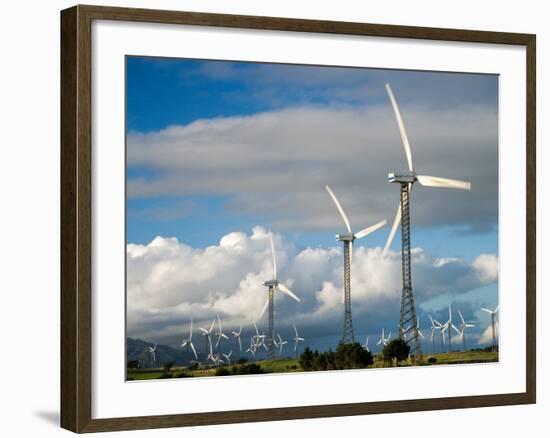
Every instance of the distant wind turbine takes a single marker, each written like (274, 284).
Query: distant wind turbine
(189, 341)
(207, 337)
(297, 339)
(493, 314)
(227, 357)
(220, 334)
(237, 336)
(383, 339)
(435, 326)
(463, 326)
(152, 351)
(366, 344)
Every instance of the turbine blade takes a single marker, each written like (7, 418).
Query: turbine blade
(496, 309)
(273, 255)
(461, 317)
(486, 310)
(194, 352)
(287, 291)
(262, 312)
(394, 227)
(447, 183)
(367, 231)
(295, 329)
(339, 207)
(401, 127)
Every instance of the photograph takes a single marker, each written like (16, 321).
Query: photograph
(286, 218)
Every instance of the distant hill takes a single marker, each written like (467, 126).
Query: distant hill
(137, 349)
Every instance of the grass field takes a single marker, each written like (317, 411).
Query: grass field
(287, 365)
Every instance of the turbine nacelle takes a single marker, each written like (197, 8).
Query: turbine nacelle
(345, 237)
(271, 283)
(401, 178)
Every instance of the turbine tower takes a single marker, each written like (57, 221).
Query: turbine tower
(272, 286)
(407, 314)
(493, 314)
(347, 333)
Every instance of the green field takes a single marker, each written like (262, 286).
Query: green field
(288, 365)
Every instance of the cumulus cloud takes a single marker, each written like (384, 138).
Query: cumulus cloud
(487, 335)
(170, 282)
(276, 163)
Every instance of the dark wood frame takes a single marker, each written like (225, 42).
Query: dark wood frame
(76, 219)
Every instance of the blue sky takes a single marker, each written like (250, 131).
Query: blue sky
(216, 147)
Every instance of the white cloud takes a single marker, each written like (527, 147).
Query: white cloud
(276, 163)
(487, 267)
(169, 282)
(487, 335)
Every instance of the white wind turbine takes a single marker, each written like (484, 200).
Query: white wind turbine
(366, 344)
(281, 343)
(383, 339)
(207, 336)
(272, 286)
(463, 326)
(189, 341)
(493, 314)
(297, 339)
(227, 357)
(406, 181)
(152, 351)
(447, 327)
(220, 334)
(237, 336)
(418, 328)
(348, 239)
(436, 325)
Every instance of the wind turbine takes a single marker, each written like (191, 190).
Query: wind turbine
(383, 339)
(153, 356)
(493, 314)
(436, 325)
(252, 348)
(406, 181)
(347, 239)
(281, 343)
(237, 336)
(189, 342)
(366, 344)
(207, 335)
(448, 326)
(297, 339)
(272, 286)
(227, 356)
(442, 329)
(418, 328)
(463, 326)
(220, 334)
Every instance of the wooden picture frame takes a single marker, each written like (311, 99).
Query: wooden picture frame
(76, 217)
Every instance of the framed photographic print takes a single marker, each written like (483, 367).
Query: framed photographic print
(341, 214)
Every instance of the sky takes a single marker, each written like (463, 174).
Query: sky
(219, 153)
